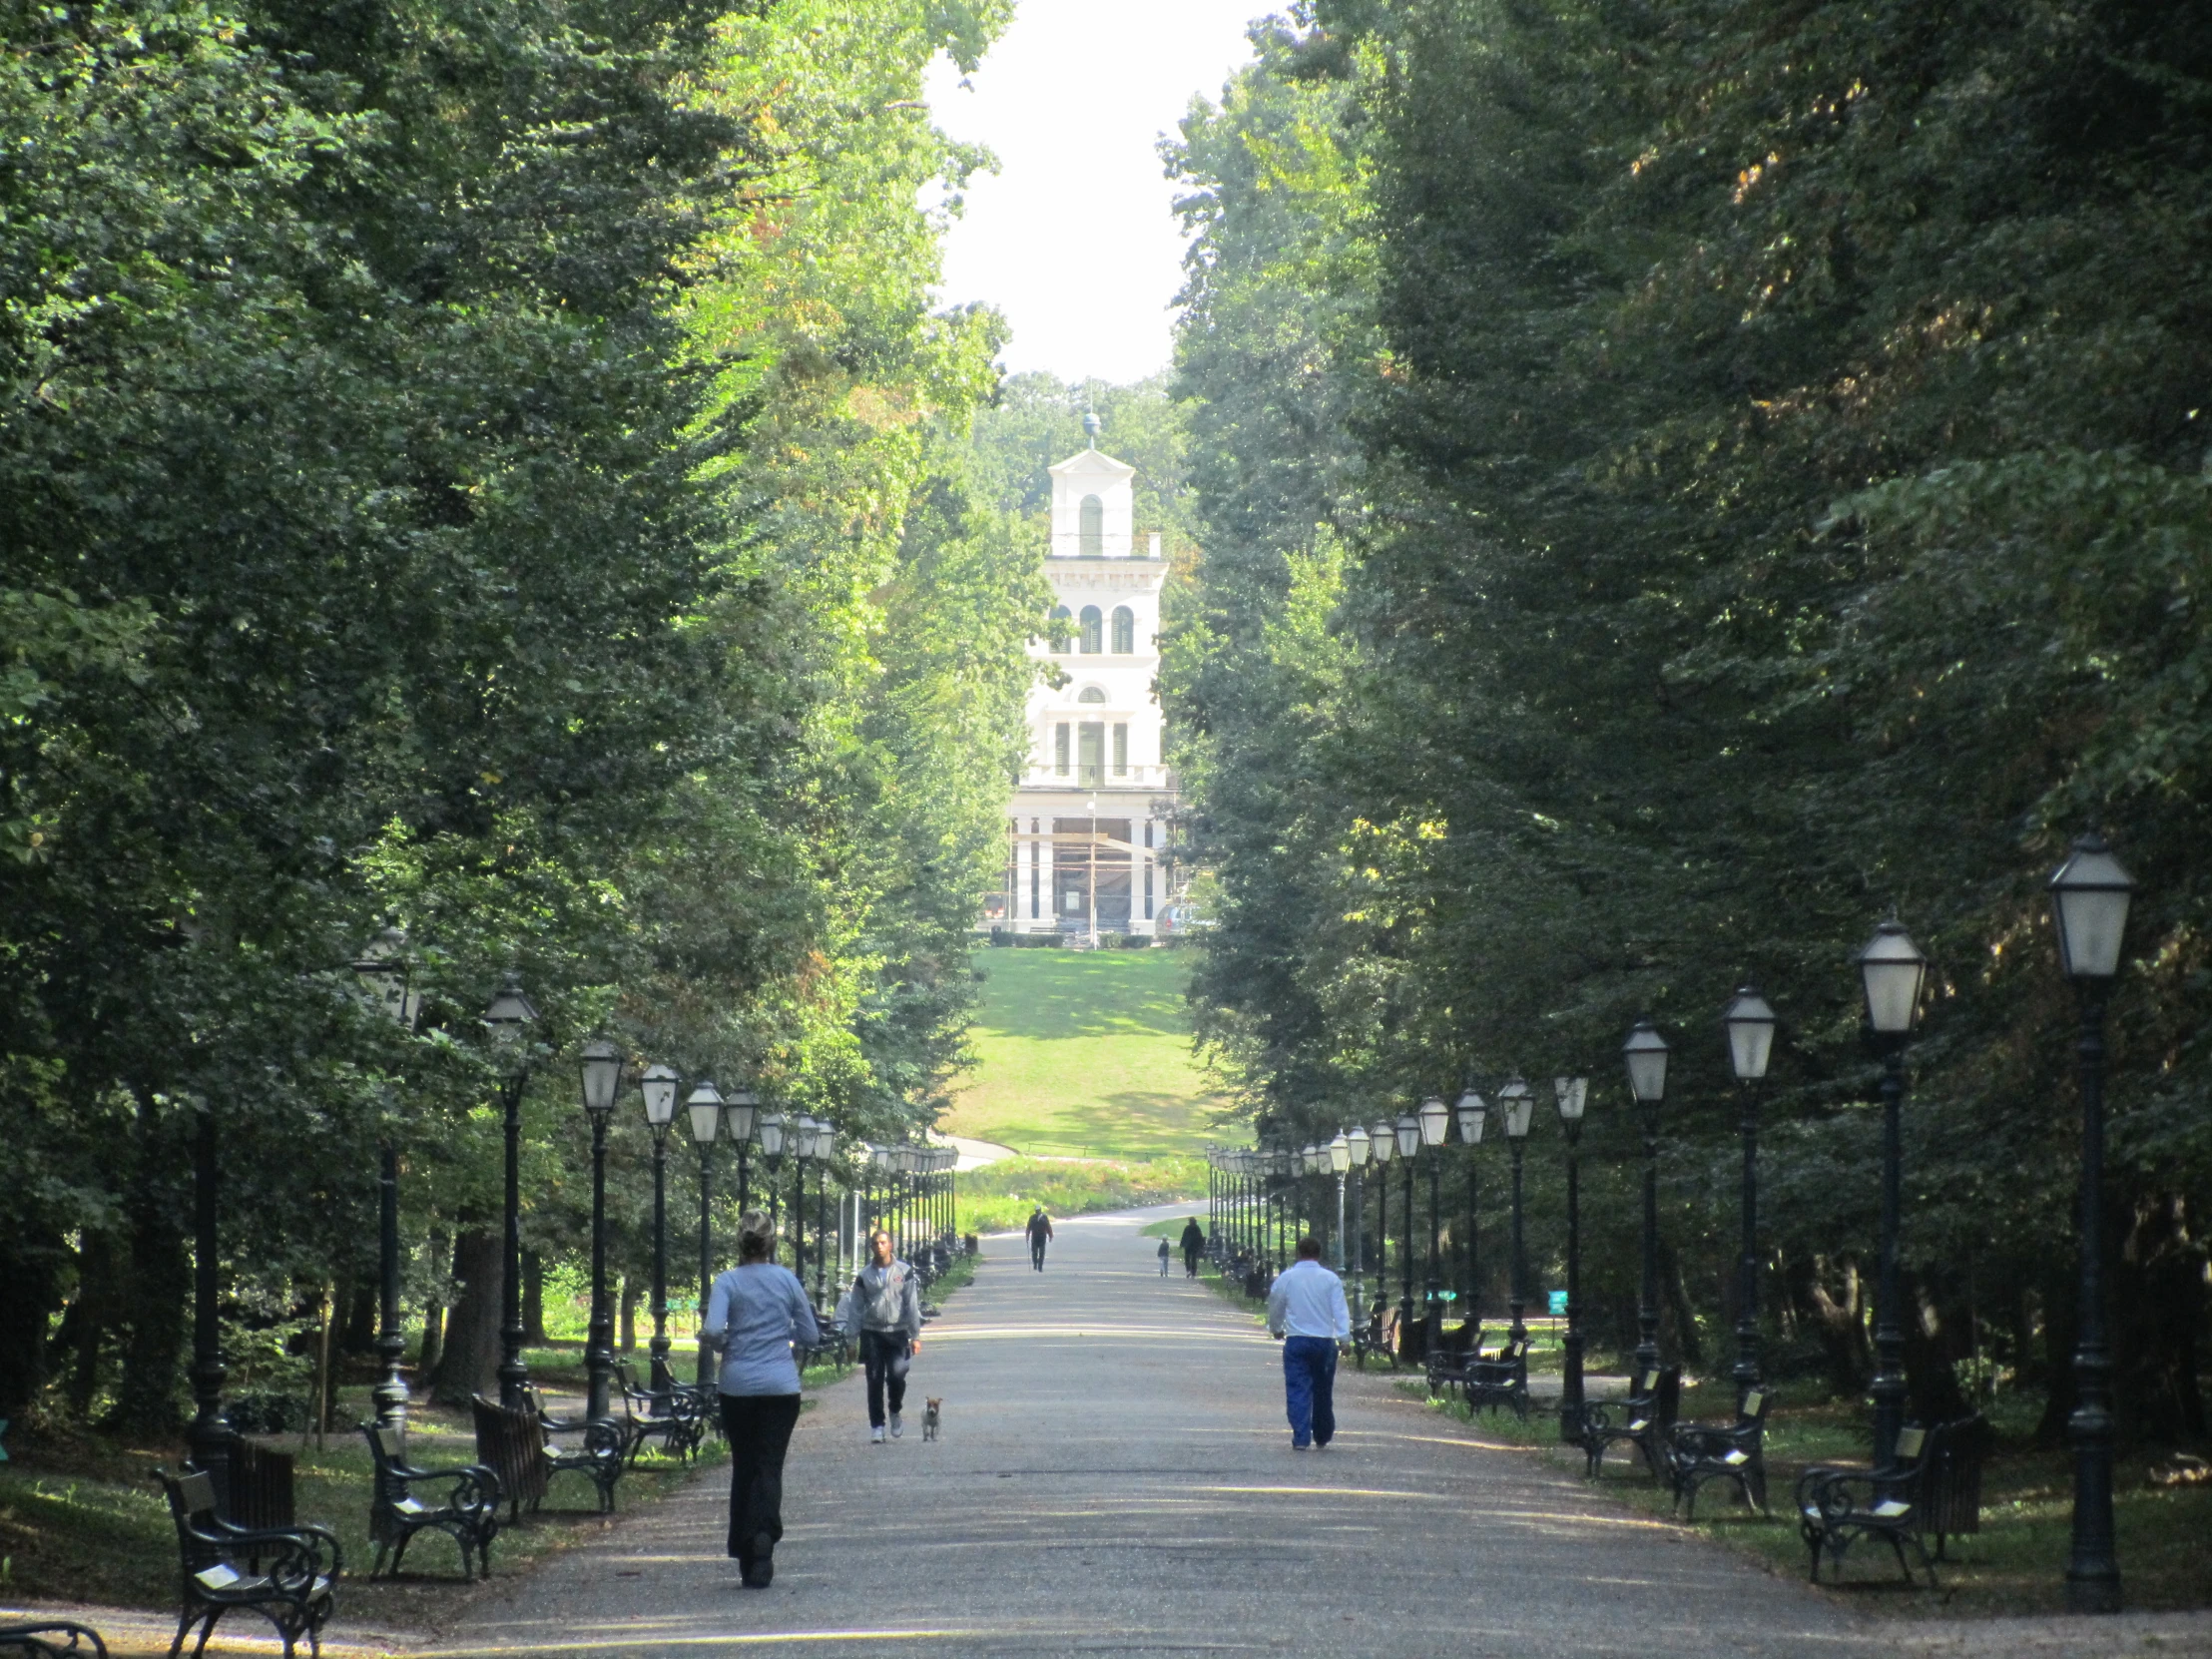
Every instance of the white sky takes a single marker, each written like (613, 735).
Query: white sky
(1075, 237)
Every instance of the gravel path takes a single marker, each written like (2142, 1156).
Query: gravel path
(1116, 1478)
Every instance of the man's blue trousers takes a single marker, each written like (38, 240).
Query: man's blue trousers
(1310, 1389)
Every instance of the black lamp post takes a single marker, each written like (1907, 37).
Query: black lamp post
(1409, 1143)
(742, 1110)
(602, 1069)
(383, 974)
(658, 1085)
(1520, 1107)
(510, 1020)
(769, 1127)
(1312, 1162)
(703, 1108)
(1435, 1118)
(825, 1149)
(1750, 1021)
(1358, 1145)
(1890, 970)
(1381, 1144)
(1572, 1093)
(2089, 898)
(798, 1136)
(1473, 1111)
(1646, 1054)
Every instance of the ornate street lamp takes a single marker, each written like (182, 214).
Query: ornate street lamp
(704, 1109)
(1646, 1054)
(1436, 1117)
(602, 1069)
(2089, 898)
(658, 1086)
(1339, 1160)
(825, 1149)
(1890, 970)
(772, 1131)
(1750, 1021)
(210, 1434)
(1471, 1112)
(1571, 1094)
(383, 970)
(510, 1020)
(1409, 1143)
(1520, 1107)
(1357, 1144)
(799, 1138)
(741, 1113)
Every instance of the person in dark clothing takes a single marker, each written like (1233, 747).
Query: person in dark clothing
(1194, 1246)
(1040, 1233)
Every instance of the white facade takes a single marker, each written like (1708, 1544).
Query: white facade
(1087, 828)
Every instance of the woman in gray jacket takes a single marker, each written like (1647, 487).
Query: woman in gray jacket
(756, 1310)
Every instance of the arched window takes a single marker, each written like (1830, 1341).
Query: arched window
(1058, 634)
(1125, 629)
(1091, 693)
(1091, 522)
(1093, 632)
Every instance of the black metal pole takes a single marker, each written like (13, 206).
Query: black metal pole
(1747, 1284)
(1570, 1387)
(1472, 1254)
(1405, 1266)
(1517, 1298)
(1434, 1310)
(514, 1371)
(390, 1395)
(663, 1378)
(599, 1339)
(1358, 1242)
(706, 1256)
(822, 1229)
(1889, 1335)
(1647, 1304)
(209, 1435)
(745, 1177)
(1381, 1235)
(2092, 1563)
(799, 1221)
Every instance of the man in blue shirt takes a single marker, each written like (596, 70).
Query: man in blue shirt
(1306, 1309)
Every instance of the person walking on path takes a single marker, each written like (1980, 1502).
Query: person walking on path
(1194, 1246)
(755, 1313)
(886, 1305)
(1307, 1309)
(1040, 1231)
(1165, 1252)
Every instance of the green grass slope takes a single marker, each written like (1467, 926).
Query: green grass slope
(1084, 1053)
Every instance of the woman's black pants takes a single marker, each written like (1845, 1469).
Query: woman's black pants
(759, 1429)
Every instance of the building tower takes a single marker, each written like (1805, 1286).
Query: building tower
(1087, 832)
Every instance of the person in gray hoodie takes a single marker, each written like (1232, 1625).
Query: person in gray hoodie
(886, 1307)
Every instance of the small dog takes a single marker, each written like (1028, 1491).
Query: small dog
(931, 1419)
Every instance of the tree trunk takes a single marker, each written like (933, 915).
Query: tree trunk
(359, 1300)
(1932, 1345)
(1838, 1317)
(28, 1284)
(93, 1312)
(631, 1292)
(469, 1363)
(533, 1300)
(157, 1289)
(443, 1266)
(1676, 1317)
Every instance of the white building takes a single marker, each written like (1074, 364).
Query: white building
(1087, 830)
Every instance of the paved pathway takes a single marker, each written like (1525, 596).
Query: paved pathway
(1116, 1478)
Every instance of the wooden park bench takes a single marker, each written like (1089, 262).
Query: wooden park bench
(286, 1574)
(1702, 1452)
(1836, 1508)
(511, 1444)
(1647, 1418)
(51, 1639)
(405, 1500)
(1377, 1338)
(1486, 1380)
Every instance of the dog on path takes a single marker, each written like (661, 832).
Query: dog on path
(931, 1418)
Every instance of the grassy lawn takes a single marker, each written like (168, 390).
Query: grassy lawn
(1084, 1053)
(999, 1196)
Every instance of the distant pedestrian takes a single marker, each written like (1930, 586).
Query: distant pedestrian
(1165, 1252)
(1194, 1246)
(1040, 1234)
(886, 1305)
(1306, 1309)
(755, 1311)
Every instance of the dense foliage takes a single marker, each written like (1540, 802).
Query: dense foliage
(495, 472)
(1678, 485)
